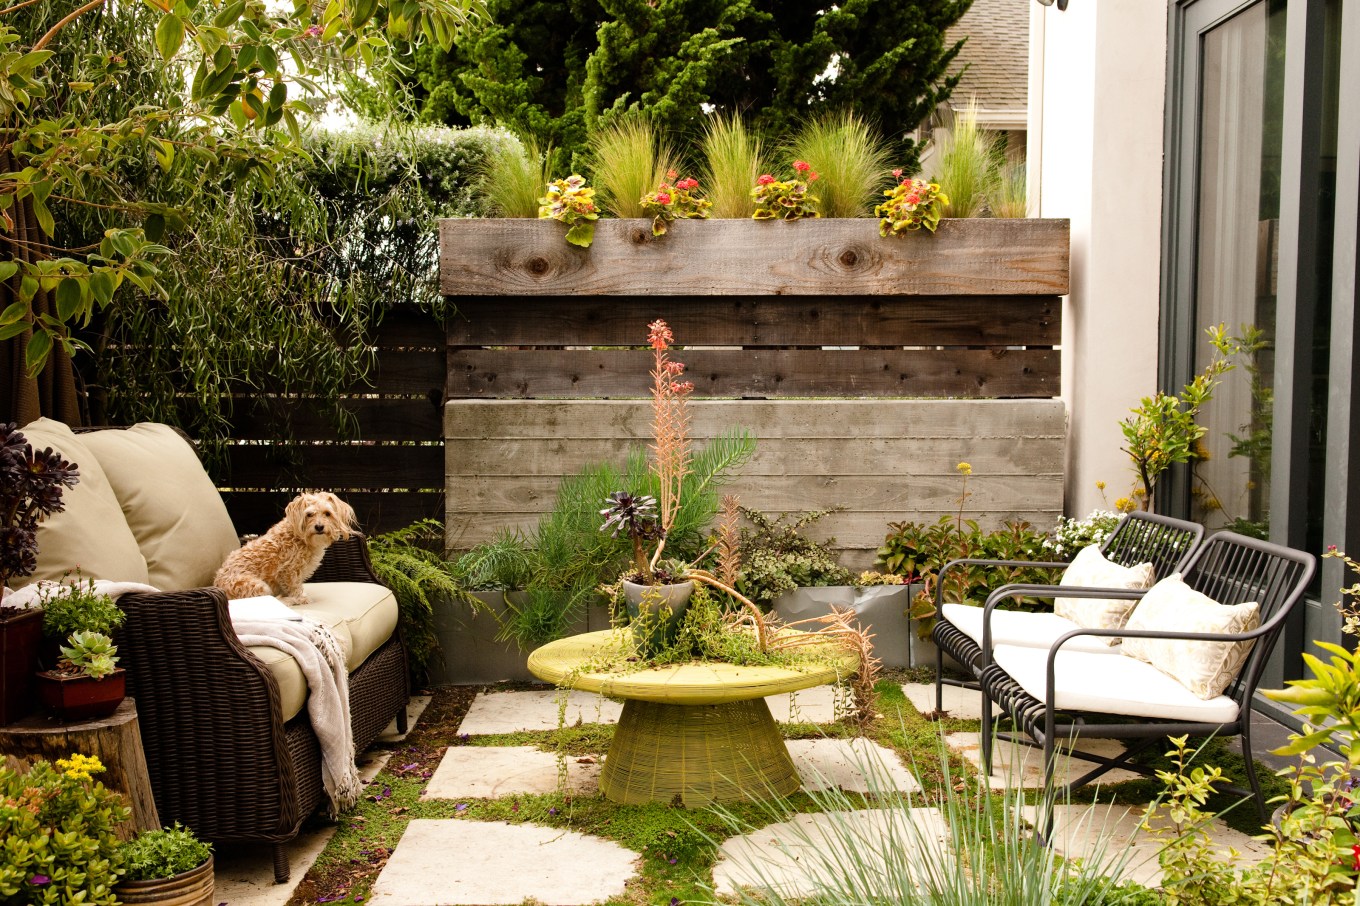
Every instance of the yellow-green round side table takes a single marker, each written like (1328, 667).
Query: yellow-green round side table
(699, 732)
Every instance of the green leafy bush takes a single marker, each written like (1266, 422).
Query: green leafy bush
(57, 834)
(79, 608)
(152, 855)
(776, 558)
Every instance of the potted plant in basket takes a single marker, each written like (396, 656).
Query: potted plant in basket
(31, 488)
(170, 865)
(87, 683)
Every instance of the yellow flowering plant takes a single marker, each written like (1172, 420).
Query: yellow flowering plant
(911, 205)
(572, 202)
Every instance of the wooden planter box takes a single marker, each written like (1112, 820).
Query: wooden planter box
(472, 653)
(513, 257)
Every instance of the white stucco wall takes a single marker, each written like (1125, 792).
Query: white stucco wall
(1097, 89)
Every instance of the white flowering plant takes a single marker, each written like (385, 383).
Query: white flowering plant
(1072, 535)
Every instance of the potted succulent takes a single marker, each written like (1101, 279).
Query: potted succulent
(71, 606)
(87, 683)
(168, 866)
(31, 488)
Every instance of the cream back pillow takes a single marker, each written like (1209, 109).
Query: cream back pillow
(1205, 668)
(90, 533)
(171, 505)
(1090, 569)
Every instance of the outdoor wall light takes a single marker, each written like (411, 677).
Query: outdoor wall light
(1062, 4)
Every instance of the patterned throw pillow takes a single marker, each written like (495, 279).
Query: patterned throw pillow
(1205, 668)
(1090, 569)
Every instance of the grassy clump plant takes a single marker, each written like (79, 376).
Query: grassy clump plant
(850, 157)
(968, 165)
(513, 178)
(629, 159)
(733, 158)
(1011, 198)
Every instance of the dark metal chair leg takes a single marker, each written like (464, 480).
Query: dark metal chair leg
(403, 722)
(1250, 764)
(988, 734)
(281, 869)
(939, 678)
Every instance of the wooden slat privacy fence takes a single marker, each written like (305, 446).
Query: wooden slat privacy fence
(816, 335)
(881, 460)
(390, 468)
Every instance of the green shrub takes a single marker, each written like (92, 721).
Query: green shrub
(777, 558)
(57, 834)
(152, 855)
(81, 608)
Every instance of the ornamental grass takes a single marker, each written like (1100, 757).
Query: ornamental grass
(629, 159)
(850, 157)
(733, 158)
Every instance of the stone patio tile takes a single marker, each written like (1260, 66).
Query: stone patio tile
(791, 856)
(1012, 761)
(852, 765)
(515, 712)
(480, 863)
(810, 706)
(244, 874)
(487, 772)
(1112, 836)
(961, 703)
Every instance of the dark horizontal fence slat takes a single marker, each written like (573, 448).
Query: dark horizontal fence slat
(307, 419)
(335, 466)
(253, 512)
(755, 321)
(744, 258)
(588, 373)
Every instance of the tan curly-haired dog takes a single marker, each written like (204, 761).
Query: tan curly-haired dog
(280, 560)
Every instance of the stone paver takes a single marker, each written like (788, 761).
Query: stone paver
(792, 856)
(515, 712)
(479, 863)
(1012, 761)
(1112, 836)
(852, 765)
(486, 772)
(809, 706)
(961, 703)
(243, 875)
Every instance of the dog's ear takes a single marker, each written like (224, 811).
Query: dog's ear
(296, 513)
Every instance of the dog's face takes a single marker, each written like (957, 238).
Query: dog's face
(321, 516)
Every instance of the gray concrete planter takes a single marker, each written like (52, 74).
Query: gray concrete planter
(882, 610)
(472, 653)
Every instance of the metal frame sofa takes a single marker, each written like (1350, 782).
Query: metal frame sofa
(229, 746)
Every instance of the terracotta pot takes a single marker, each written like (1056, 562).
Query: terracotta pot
(77, 698)
(191, 888)
(19, 637)
(655, 612)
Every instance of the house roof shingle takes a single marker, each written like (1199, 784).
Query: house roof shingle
(997, 56)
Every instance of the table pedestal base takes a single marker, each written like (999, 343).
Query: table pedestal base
(701, 753)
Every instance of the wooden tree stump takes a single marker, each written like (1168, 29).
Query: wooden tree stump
(115, 740)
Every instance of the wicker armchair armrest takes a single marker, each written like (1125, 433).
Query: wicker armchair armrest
(347, 561)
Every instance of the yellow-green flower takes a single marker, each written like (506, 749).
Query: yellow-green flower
(964, 468)
(1124, 505)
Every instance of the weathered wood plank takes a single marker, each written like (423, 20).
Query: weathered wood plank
(771, 373)
(253, 512)
(734, 321)
(746, 258)
(846, 419)
(885, 461)
(936, 493)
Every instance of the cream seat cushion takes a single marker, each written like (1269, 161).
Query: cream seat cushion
(360, 615)
(1090, 569)
(1204, 667)
(171, 506)
(1017, 627)
(1110, 684)
(90, 533)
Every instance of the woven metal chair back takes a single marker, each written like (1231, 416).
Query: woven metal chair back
(1164, 542)
(1234, 569)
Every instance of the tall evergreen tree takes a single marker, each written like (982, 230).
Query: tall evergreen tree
(555, 70)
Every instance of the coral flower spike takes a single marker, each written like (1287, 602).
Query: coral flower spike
(660, 335)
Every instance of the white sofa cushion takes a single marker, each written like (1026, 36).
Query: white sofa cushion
(1107, 683)
(1205, 668)
(1090, 569)
(173, 509)
(1017, 627)
(91, 533)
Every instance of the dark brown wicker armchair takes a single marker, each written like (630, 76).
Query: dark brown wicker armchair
(222, 760)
